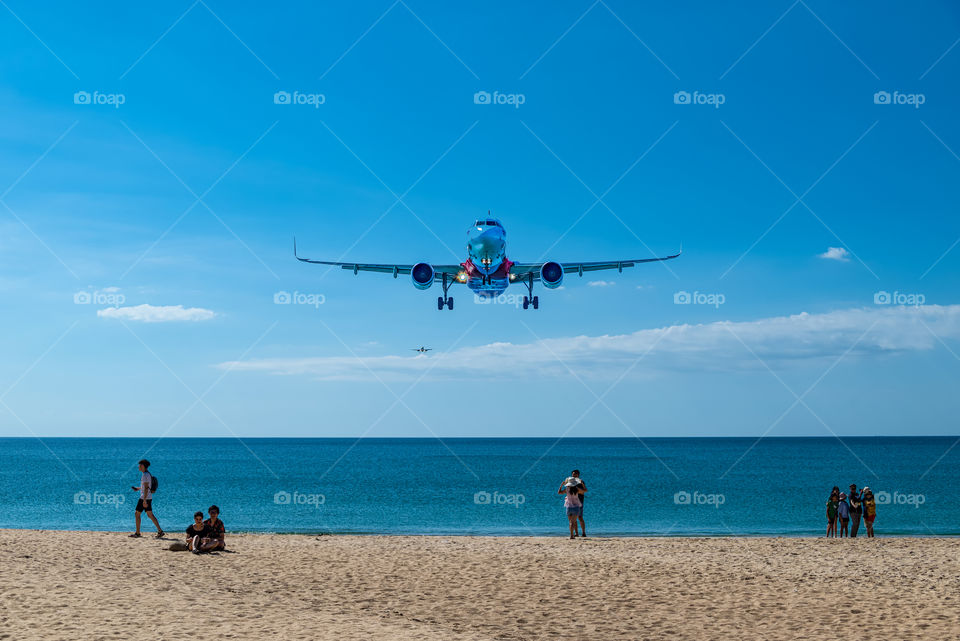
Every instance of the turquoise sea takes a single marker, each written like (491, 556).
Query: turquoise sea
(657, 486)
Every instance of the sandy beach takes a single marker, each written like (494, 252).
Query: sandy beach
(97, 585)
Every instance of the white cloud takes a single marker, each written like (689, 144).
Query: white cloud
(867, 332)
(836, 253)
(156, 314)
(601, 283)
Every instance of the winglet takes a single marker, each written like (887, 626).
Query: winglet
(295, 249)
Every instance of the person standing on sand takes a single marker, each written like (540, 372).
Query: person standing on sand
(843, 511)
(572, 505)
(856, 509)
(833, 503)
(575, 480)
(583, 492)
(145, 504)
(869, 510)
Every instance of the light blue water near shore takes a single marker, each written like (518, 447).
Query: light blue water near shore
(660, 486)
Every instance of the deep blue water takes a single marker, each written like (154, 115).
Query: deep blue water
(774, 486)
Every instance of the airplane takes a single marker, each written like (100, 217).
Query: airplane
(487, 270)
(422, 350)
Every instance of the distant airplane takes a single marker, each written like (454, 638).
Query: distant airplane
(422, 350)
(487, 270)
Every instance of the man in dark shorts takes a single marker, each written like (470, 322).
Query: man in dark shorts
(145, 504)
(856, 509)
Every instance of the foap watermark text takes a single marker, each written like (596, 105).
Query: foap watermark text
(298, 298)
(498, 98)
(899, 498)
(99, 499)
(299, 498)
(698, 298)
(99, 98)
(898, 298)
(897, 98)
(698, 498)
(699, 98)
(299, 98)
(107, 296)
(498, 498)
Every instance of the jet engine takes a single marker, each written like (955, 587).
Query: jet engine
(551, 274)
(422, 275)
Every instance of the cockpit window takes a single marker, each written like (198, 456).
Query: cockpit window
(488, 223)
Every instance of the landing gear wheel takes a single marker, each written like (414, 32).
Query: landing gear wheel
(536, 302)
(440, 303)
(450, 303)
(526, 302)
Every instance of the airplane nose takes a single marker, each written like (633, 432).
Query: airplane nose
(486, 244)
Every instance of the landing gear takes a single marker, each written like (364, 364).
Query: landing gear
(531, 299)
(445, 300)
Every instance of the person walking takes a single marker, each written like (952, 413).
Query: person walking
(145, 504)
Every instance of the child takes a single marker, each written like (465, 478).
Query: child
(843, 510)
(572, 504)
(833, 504)
(869, 510)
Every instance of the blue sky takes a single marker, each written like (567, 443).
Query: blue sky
(174, 214)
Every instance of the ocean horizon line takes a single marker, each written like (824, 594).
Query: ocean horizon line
(494, 438)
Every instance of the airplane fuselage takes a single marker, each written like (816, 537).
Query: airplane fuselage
(487, 269)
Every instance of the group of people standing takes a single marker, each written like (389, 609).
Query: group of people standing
(847, 509)
(202, 535)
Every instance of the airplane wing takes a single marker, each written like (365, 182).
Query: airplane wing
(524, 270)
(383, 268)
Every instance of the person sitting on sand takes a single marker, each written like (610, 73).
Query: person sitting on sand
(196, 533)
(216, 533)
(145, 504)
(574, 479)
(572, 504)
(869, 510)
(833, 503)
(843, 511)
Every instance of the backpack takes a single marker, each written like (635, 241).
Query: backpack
(153, 483)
